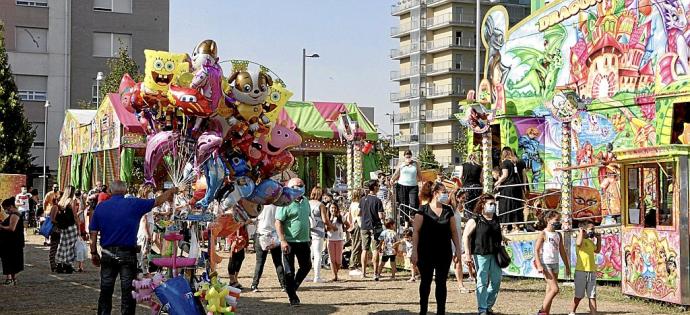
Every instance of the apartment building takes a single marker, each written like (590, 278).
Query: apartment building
(56, 48)
(437, 67)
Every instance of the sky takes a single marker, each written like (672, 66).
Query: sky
(351, 37)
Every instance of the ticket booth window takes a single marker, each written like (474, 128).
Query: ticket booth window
(650, 195)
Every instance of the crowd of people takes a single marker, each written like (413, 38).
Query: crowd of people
(437, 228)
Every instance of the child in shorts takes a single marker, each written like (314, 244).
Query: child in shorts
(388, 240)
(548, 249)
(585, 270)
(406, 244)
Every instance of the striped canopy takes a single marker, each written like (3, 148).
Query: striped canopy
(312, 119)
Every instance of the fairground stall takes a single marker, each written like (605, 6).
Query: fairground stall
(568, 87)
(330, 130)
(97, 145)
(655, 238)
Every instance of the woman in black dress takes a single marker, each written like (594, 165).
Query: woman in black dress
(510, 198)
(434, 230)
(12, 240)
(471, 179)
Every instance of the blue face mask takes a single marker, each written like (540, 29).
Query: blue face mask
(490, 208)
(301, 189)
(443, 198)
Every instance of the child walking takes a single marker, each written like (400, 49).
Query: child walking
(388, 239)
(585, 269)
(336, 239)
(549, 247)
(407, 246)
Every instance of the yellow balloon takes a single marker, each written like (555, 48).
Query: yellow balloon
(163, 68)
(279, 96)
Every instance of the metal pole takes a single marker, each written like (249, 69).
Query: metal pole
(45, 144)
(98, 92)
(476, 49)
(304, 61)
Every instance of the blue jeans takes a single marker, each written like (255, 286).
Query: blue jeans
(488, 281)
(124, 263)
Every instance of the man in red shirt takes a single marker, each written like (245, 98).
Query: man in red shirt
(103, 195)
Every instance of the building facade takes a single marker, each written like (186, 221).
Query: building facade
(56, 48)
(436, 58)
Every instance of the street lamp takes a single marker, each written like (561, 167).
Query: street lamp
(477, 43)
(45, 143)
(99, 78)
(304, 66)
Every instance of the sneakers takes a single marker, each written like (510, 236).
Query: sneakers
(255, 289)
(376, 277)
(294, 302)
(571, 313)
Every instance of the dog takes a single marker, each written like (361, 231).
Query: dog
(250, 88)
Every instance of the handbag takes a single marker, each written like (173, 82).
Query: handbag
(46, 227)
(502, 257)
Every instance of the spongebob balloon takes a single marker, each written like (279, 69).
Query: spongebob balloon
(278, 97)
(162, 69)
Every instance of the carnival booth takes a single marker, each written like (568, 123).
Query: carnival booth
(98, 145)
(655, 237)
(324, 137)
(568, 87)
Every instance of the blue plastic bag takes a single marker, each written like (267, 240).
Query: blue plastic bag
(177, 295)
(46, 227)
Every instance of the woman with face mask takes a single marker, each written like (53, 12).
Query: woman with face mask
(434, 230)
(481, 239)
(406, 176)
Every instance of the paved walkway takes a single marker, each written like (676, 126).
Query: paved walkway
(40, 292)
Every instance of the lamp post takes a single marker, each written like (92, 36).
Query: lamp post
(99, 78)
(45, 143)
(304, 66)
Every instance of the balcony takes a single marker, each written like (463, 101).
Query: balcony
(449, 42)
(403, 6)
(398, 31)
(405, 140)
(435, 3)
(443, 20)
(444, 67)
(405, 74)
(397, 97)
(438, 91)
(405, 118)
(438, 114)
(404, 51)
(438, 138)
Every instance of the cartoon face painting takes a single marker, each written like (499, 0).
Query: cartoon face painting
(162, 68)
(279, 96)
(586, 203)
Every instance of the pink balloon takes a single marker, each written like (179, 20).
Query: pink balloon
(209, 143)
(157, 146)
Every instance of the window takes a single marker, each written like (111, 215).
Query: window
(118, 6)
(31, 87)
(31, 39)
(39, 140)
(650, 195)
(94, 94)
(109, 44)
(35, 3)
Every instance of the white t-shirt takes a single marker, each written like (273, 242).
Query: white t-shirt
(551, 249)
(141, 233)
(408, 248)
(266, 220)
(336, 235)
(354, 213)
(22, 201)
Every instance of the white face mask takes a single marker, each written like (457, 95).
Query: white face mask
(490, 209)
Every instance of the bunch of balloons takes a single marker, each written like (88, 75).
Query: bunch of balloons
(209, 128)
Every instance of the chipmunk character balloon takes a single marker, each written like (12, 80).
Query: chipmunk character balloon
(249, 85)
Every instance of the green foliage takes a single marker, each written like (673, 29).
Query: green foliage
(384, 153)
(460, 145)
(427, 160)
(117, 67)
(16, 133)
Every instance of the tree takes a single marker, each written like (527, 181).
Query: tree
(384, 153)
(427, 160)
(16, 133)
(460, 144)
(117, 67)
